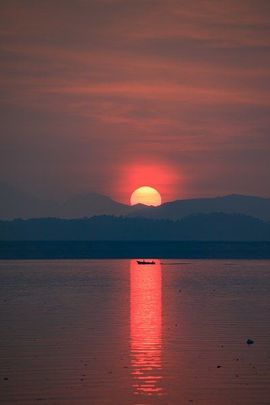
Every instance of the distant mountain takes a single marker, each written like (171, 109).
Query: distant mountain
(199, 227)
(91, 204)
(15, 203)
(240, 204)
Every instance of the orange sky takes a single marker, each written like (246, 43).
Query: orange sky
(109, 95)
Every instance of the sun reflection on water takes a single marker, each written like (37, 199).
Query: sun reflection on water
(145, 327)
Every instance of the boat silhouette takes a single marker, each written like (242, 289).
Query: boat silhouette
(146, 262)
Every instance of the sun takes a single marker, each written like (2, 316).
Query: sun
(145, 195)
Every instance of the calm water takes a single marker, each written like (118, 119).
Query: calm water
(112, 332)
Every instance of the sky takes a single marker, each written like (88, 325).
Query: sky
(108, 95)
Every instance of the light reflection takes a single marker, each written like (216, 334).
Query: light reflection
(145, 327)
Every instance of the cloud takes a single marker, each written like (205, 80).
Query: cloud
(177, 82)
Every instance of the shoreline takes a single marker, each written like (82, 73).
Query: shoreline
(42, 250)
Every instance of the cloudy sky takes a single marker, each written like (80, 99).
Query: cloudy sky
(110, 95)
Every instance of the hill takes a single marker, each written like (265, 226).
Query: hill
(199, 227)
(239, 204)
(15, 203)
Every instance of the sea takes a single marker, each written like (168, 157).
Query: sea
(111, 331)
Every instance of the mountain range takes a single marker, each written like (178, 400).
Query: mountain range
(231, 204)
(196, 227)
(15, 203)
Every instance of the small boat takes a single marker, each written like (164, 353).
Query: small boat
(145, 262)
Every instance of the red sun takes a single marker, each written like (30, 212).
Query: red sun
(145, 195)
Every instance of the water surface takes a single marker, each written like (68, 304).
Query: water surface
(112, 332)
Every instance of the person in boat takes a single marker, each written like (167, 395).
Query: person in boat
(145, 262)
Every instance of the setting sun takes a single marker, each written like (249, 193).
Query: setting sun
(145, 195)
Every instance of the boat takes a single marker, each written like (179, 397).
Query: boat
(146, 262)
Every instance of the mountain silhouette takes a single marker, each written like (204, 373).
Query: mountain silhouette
(197, 227)
(248, 205)
(15, 203)
(92, 204)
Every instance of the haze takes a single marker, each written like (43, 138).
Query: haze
(99, 95)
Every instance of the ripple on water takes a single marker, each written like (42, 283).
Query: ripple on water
(109, 332)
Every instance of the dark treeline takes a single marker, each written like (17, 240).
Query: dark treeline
(204, 227)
